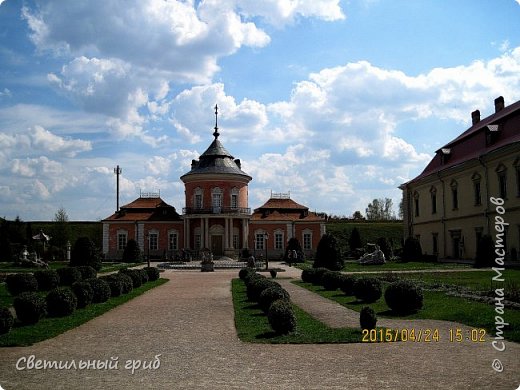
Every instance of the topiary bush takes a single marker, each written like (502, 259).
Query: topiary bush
(29, 307)
(317, 275)
(346, 284)
(6, 320)
(132, 253)
(87, 272)
(115, 283)
(404, 297)
(84, 293)
(136, 277)
(308, 275)
(485, 256)
(126, 283)
(143, 274)
(245, 273)
(367, 318)
(100, 288)
(47, 279)
(19, 283)
(256, 286)
(367, 289)
(61, 302)
(85, 252)
(69, 275)
(328, 254)
(331, 280)
(271, 294)
(252, 277)
(153, 273)
(412, 250)
(281, 317)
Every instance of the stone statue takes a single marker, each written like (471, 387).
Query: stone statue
(374, 258)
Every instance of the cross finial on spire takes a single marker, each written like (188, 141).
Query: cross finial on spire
(216, 133)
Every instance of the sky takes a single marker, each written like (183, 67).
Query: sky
(337, 102)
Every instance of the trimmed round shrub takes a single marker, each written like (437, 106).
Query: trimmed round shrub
(142, 274)
(100, 288)
(256, 286)
(281, 317)
(61, 302)
(47, 279)
(85, 252)
(29, 307)
(367, 318)
(136, 277)
(87, 272)
(153, 273)
(318, 273)
(308, 275)
(126, 283)
(331, 280)
(115, 283)
(69, 275)
(19, 283)
(252, 277)
(271, 294)
(245, 272)
(367, 289)
(6, 320)
(404, 297)
(84, 293)
(346, 284)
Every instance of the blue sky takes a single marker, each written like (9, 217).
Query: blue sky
(337, 102)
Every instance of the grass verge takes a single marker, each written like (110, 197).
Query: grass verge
(253, 327)
(48, 328)
(437, 306)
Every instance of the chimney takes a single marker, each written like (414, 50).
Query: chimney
(499, 104)
(475, 117)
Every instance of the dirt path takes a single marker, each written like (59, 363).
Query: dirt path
(189, 322)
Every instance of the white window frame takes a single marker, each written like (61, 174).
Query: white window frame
(122, 235)
(279, 239)
(173, 245)
(307, 239)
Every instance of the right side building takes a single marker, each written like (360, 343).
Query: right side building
(448, 207)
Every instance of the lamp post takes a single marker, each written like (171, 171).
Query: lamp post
(147, 248)
(68, 250)
(266, 236)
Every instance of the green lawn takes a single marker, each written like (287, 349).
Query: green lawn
(106, 267)
(48, 328)
(437, 306)
(392, 266)
(253, 327)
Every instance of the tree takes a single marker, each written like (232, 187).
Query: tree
(412, 250)
(485, 252)
(380, 210)
(401, 209)
(357, 216)
(85, 252)
(132, 253)
(60, 231)
(328, 254)
(354, 241)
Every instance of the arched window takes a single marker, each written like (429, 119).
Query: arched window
(216, 199)
(234, 198)
(502, 180)
(477, 189)
(454, 194)
(173, 240)
(433, 195)
(416, 203)
(197, 201)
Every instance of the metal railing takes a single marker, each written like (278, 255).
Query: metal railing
(217, 210)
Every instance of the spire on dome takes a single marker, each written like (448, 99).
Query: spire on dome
(216, 133)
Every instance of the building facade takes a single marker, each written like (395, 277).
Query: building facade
(216, 216)
(448, 207)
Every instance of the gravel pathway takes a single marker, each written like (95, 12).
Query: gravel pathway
(189, 322)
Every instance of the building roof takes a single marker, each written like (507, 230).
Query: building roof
(216, 160)
(283, 208)
(472, 143)
(146, 209)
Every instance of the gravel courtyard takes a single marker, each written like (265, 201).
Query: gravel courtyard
(189, 323)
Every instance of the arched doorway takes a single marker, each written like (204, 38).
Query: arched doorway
(216, 239)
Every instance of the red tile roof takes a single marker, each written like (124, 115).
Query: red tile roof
(284, 209)
(471, 144)
(146, 209)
